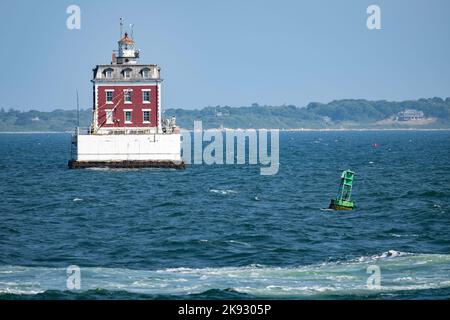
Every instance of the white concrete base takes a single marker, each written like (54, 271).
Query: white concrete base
(128, 147)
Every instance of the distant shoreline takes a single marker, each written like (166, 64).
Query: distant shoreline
(427, 114)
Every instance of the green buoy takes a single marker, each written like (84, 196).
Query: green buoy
(343, 201)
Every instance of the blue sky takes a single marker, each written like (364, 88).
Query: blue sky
(230, 52)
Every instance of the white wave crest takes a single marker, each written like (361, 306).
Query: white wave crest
(399, 272)
(224, 192)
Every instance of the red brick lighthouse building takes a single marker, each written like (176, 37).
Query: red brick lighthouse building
(127, 128)
(127, 95)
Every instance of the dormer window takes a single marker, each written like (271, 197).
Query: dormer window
(108, 73)
(145, 73)
(127, 73)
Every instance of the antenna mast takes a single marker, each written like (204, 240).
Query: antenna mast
(121, 27)
(131, 27)
(78, 112)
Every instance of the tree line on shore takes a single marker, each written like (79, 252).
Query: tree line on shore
(348, 113)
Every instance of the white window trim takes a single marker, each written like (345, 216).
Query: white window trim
(131, 96)
(125, 116)
(109, 120)
(150, 115)
(149, 97)
(106, 96)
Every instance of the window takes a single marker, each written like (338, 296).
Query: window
(109, 96)
(146, 116)
(127, 73)
(127, 96)
(145, 73)
(108, 73)
(127, 116)
(109, 117)
(146, 95)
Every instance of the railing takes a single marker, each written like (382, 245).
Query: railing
(82, 131)
(122, 131)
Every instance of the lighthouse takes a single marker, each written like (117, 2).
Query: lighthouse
(127, 128)
(127, 95)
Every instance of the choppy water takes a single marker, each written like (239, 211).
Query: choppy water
(226, 231)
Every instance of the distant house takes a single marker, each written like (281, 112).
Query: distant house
(410, 115)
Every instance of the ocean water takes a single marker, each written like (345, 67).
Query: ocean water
(226, 231)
